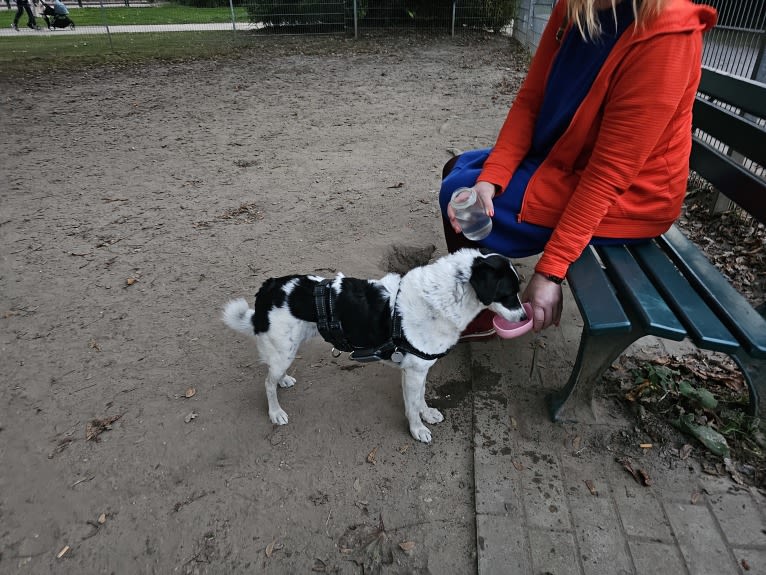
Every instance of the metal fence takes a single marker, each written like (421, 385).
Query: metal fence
(737, 44)
(530, 21)
(259, 17)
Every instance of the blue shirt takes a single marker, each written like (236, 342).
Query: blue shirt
(573, 71)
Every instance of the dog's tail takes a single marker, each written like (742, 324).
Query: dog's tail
(238, 315)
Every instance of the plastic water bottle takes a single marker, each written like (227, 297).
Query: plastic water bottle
(469, 211)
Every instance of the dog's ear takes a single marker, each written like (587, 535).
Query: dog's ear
(487, 274)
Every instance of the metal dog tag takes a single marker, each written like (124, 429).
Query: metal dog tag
(397, 356)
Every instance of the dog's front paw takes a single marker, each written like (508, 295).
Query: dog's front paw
(431, 415)
(279, 417)
(287, 381)
(421, 433)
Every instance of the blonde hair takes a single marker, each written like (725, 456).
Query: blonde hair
(582, 13)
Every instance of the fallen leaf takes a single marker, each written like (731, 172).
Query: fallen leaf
(576, 442)
(102, 519)
(319, 566)
(518, 465)
(695, 497)
(63, 552)
(685, 451)
(514, 423)
(192, 415)
(191, 392)
(371, 456)
(94, 345)
(745, 565)
(730, 467)
(645, 479)
(130, 281)
(591, 487)
(273, 546)
(96, 427)
(407, 546)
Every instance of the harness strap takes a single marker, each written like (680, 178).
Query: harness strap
(331, 330)
(403, 344)
(328, 324)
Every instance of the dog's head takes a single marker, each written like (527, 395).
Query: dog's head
(497, 285)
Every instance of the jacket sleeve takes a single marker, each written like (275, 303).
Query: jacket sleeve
(515, 137)
(642, 102)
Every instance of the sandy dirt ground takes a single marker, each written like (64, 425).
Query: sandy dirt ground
(133, 428)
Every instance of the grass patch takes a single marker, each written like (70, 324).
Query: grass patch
(148, 16)
(38, 54)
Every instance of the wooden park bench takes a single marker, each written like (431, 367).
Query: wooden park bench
(667, 287)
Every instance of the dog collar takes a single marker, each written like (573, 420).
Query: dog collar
(331, 329)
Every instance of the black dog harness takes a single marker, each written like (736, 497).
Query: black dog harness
(331, 330)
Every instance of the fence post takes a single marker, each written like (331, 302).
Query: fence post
(454, 3)
(233, 17)
(106, 25)
(759, 59)
(356, 32)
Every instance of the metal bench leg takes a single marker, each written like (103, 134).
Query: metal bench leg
(754, 371)
(595, 355)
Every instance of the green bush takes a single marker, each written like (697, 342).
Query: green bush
(296, 12)
(208, 3)
(490, 14)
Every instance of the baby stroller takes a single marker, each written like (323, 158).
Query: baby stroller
(57, 16)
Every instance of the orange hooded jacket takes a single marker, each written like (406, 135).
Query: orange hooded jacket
(620, 168)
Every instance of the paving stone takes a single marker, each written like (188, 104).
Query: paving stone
(496, 490)
(553, 552)
(501, 546)
(702, 546)
(751, 561)
(640, 512)
(739, 519)
(603, 548)
(652, 557)
(542, 492)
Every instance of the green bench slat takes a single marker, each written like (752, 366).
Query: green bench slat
(739, 134)
(704, 328)
(655, 315)
(728, 304)
(733, 180)
(740, 92)
(595, 296)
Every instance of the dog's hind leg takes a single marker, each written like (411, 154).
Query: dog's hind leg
(413, 389)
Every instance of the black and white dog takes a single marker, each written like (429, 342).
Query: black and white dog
(407, 321)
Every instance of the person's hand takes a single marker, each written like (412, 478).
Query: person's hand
(546, 299)
(486, 192)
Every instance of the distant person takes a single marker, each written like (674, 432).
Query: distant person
(56, 10)
(23, 6)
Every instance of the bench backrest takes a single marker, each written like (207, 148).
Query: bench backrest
(729, 143)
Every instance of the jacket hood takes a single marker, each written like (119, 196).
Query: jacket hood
(680, 16)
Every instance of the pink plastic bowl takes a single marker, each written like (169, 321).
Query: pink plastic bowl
(508, 329)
